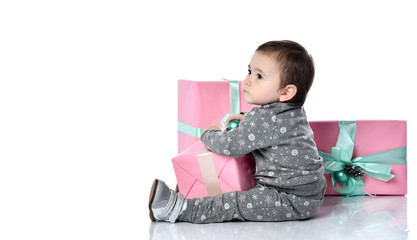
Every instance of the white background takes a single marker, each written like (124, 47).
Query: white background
(88, 94)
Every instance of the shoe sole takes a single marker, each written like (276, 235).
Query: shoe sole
(151, 198)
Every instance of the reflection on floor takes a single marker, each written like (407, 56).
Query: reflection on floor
(381, 217)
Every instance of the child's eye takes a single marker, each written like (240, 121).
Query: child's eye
(249, 71)
(260, 76)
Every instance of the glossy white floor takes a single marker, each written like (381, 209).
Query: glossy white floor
(381, 217)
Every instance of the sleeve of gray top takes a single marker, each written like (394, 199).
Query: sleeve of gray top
(253, 133)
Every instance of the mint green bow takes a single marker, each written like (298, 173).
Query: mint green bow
(341, 155)
(235, 109)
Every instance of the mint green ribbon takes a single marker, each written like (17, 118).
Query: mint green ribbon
(235, 109)
(234, 95)
(341, 155)
(189, 130)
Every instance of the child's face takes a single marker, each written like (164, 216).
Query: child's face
(262, 83)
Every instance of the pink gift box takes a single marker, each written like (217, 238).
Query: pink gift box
(202, 103)
(372, 136)
(230, 173)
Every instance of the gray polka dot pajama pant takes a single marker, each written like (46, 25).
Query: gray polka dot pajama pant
(257, 204)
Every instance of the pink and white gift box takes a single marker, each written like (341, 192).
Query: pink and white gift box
(200, 172)
(373, 139)
(202, 103)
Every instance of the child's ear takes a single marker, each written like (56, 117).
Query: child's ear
(287, 93)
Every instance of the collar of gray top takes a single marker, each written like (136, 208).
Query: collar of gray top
(281, 107)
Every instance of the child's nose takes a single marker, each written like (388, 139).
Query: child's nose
(248, 81)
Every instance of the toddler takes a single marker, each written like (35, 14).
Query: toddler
(290, 184)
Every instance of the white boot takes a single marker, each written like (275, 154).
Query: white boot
(165, 204)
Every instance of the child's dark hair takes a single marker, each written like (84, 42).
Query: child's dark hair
(296, 66)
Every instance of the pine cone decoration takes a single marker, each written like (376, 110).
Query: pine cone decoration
(355, 172)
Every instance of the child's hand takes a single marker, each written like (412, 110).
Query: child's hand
(238, 117)
(212, 126)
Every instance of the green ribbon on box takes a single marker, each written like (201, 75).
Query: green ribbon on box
(235, 109)
(341, 155)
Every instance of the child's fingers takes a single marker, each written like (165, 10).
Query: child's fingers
(228, 120)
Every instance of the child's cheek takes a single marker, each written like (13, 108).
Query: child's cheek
(267, 97)
(263, 96)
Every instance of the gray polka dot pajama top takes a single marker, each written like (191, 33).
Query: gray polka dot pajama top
(289, 171)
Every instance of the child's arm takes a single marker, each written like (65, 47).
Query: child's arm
(255, 131)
